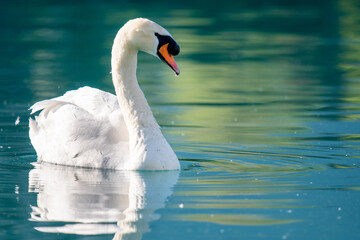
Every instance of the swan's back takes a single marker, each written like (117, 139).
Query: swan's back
(84, 128)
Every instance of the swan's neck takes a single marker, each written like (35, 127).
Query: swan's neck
(136, 111)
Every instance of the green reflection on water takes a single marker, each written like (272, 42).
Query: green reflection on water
(233, 219)
(201, 203)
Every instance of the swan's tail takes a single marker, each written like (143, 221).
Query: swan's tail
(45, 106)
(35, 125)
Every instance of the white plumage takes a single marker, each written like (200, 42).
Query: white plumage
(92, 128)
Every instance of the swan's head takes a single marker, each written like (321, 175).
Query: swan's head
(147, 36)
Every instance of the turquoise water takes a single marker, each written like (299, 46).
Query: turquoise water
(264, 118)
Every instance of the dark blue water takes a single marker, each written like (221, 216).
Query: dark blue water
(265, 118)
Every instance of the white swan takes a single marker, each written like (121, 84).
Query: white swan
(91, 128)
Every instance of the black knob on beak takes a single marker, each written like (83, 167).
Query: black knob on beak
(174, 48)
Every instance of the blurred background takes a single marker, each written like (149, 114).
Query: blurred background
(266, 107)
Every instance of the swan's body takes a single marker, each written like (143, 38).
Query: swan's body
(91, 128)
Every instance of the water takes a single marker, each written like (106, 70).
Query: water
(264, 118)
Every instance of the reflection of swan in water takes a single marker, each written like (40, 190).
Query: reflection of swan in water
(93, 200)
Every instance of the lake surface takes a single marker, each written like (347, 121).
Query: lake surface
(264, 117)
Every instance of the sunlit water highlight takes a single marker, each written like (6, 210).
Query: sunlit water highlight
(264, 118)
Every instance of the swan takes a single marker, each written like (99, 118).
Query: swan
(96, 129)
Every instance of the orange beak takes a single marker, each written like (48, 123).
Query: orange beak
(168, 58)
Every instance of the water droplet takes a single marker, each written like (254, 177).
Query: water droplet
(181, 205)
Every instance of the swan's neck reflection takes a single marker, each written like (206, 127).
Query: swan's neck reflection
(91, 201)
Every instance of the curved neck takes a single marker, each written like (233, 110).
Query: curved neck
(135, 109)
